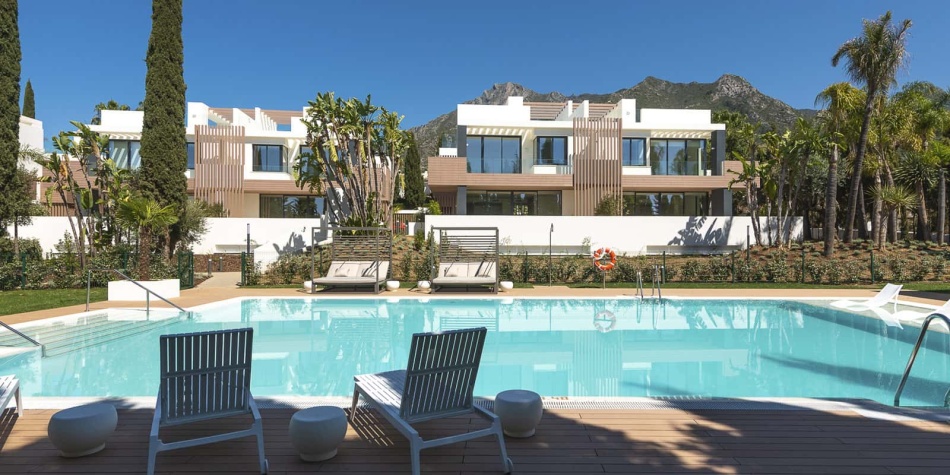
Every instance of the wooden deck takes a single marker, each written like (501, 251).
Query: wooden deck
(568, 441)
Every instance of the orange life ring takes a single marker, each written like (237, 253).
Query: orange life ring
(605, 316)
(599, 256)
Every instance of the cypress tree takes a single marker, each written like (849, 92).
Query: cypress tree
(9, 107)
(415, 187)
(163, 127)
(29, 104)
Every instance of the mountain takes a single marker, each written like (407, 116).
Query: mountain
(729, 92)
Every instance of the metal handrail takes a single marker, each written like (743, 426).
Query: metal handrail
(913, 355)
(120, 274)
(657, 286)
(18, 332)
(640, 284)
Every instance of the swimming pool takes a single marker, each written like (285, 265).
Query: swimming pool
(557, 347)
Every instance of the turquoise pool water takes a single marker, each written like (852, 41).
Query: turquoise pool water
(557, 347)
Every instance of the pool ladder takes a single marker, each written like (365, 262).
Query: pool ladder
(656, 287)
(913, 356)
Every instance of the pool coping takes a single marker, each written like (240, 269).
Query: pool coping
(862, 407)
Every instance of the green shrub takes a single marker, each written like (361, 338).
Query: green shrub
(405, 268)
(852, 271)
(834, 273)
(816, 270)
(900, 269)
(748, 271)
(691, 271)
(777, 268)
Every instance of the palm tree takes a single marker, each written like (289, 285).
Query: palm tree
(894, 198)
(873, 60)
(842, 101)
(149, 217)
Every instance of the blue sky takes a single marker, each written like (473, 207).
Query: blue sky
(421, 58)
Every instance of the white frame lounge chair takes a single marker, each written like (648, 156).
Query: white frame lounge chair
(884, 296)
(205, 376)
(918, 317)
(10, 388)
(438, 383)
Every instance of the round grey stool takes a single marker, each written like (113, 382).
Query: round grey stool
(520, 412)
(82, 430)
(317, 432)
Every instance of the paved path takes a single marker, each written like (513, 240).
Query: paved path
(222, 280)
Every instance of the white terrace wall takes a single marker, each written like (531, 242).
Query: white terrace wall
(269, 237)
(631, 235)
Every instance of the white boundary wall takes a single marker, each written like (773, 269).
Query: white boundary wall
(270, 237)
(631, 235)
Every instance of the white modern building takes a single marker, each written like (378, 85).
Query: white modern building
(562, 159)
(241, 158)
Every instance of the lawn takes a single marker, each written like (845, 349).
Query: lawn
(19, 301)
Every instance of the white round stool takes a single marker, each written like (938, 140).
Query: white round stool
(392, 285)
(506, 285)
(82, 430)
(520, 412)
(317, 432)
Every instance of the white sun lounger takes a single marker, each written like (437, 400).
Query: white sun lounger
(205, 376)
(884, 296)
(10, 388)
(919, 316)
(438, 383)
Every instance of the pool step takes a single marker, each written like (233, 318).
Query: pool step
(116, 332)
(58, 339)
(50, 332)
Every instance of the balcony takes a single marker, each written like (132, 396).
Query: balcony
(447, 173)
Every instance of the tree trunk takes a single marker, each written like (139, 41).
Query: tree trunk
(16, 237)
(831, 202)
(876, 211)
(145, 248)
(941, 206)
(862, 213)
(892, 222)
(858, 165)
(923, 224)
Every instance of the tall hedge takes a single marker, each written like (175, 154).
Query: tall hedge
(29, 103)
(415, 187)
(9, 106)
(163, 128)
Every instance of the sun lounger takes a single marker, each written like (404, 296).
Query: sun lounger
(205, 376)
(438, 383)
(886, 295)
(10, 389)
(355, 274)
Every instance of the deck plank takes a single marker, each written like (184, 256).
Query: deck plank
(567, 441)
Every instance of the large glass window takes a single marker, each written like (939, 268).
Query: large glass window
(268, 158)
(634, 152)
(126, 153)
(517, 203)
(191, 155)
(493, 154)
(551, 151)
(666, 204)
(291, 206)
(677, 157)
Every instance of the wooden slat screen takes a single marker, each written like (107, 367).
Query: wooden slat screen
(598, 171)
(205, 375)
(219, 167)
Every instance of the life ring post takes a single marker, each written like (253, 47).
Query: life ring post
(604, 260)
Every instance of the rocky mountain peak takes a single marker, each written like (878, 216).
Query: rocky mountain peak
(731, 85)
